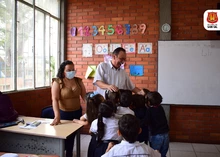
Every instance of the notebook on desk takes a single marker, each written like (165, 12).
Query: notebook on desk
(7, 124)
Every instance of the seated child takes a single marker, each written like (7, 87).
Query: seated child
(125, 100)
(129, 128)
(159, 129)
(103, 130)
(92, 104)
(140, 111)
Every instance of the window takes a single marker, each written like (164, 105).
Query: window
(29, 43)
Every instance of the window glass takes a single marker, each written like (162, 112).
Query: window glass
(47, 52)
(29, 1)
(51, 6)
(54, 36)
(6, 45)
(34, 61)
(42, 50)
(39, 48)
(25, 64)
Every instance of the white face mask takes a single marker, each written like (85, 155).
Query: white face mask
(70, 74)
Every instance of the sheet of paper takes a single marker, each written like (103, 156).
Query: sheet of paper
(31, 125)
(26, 126)
(46, 121)
(87, 50)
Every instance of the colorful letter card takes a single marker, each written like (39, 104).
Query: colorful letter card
(101, 49)
(129, 47)
(114, 46)
(144, 48)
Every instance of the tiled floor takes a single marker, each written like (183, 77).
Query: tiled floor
(176, 149)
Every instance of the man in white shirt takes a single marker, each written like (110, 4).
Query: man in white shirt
(109, 76)
(129, 128)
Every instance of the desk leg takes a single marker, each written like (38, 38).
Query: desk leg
(78, 143)
(62, 147)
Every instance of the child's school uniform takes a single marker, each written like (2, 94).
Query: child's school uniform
(141, 114)
(110, 134)
(159, 129)
(122, 111)
(135, 149)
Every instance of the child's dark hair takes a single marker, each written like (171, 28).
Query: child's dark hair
(129, 127)
(106, 109)
(92, 106)
(154, 98)
(138, 101)
(113, 97)
(145, 91)
(125, 98)
(117, 51)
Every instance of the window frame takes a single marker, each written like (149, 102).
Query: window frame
(61, 47)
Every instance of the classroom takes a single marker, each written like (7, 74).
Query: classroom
(125, 22)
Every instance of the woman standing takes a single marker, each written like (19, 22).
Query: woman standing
(66, 91)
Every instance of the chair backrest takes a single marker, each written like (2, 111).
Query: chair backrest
(47, 112)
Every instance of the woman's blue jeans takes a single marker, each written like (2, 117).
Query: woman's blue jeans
(160, 142)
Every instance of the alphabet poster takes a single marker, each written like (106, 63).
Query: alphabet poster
(114, 46)
(101, 49)
(144, 48)
(87, 50)
(129, 47)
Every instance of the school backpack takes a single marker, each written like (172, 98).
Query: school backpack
(7, 112)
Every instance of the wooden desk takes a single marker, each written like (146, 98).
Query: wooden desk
(44, 139)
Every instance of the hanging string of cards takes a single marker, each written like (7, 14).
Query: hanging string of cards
(110, 30)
